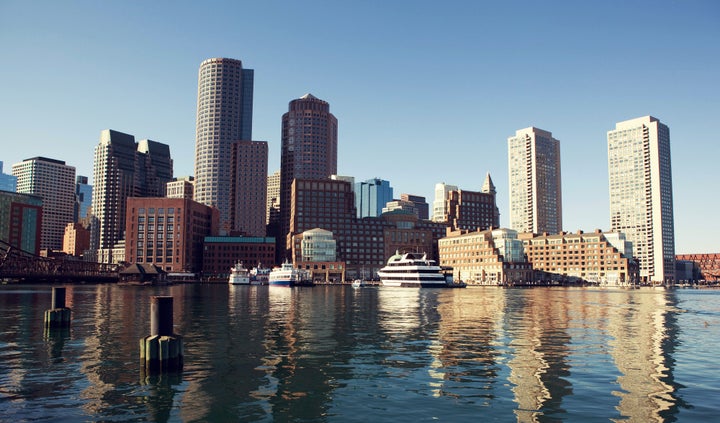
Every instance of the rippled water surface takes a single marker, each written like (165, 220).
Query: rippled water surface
(335, 354)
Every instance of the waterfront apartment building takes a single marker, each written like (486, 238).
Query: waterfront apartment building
(421, 205)
(76, 239)
(122, 169)
(371, 196)
(224, 115)
(181, 187)
(597, 257)
(54, 181)
(248, 189)
(485, 257)
(168, 232)
(535, 185)
(21, 220)
(641, 197)
(309, 151)
(220, 253)
(364, 245)
(7, 182)
(439, 203)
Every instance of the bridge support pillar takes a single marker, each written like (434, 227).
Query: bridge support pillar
(59, 315)
(162, 350)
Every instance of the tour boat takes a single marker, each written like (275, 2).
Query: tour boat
(287, 275)
(239, 275)
(259, 275)
(415, 270)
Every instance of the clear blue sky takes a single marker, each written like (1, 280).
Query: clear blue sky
(424, 91)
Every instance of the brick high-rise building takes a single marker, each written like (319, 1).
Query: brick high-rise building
(224, 115)
(535, 185)
(54, 181)
(641, 197)
(309, 151)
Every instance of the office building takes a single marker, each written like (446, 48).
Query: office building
(123, 168)
(364, 245)
(421, 205)
(54, 181)
(309, 151)
(168, 232)
(21, 220)
(181, 187)
(596, 257)
(7, 182)
(439, 204)
(485, 257)
(473, 210)
(371, 196)
(404, 205)
(641, 197)
(83, 198)
(273, 195)
(224, 115)
(248, 189)
(535, 188)
(76, 239)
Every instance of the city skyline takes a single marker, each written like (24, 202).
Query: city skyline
(415, 107)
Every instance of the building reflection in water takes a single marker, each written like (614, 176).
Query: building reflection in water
(643, 340)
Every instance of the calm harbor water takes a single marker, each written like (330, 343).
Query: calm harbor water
(335, 354)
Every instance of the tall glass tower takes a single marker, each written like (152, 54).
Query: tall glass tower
(224, 115)
(641, 199)
(535, 186)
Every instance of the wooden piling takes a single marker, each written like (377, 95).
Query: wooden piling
(59, 315)
(162, 350)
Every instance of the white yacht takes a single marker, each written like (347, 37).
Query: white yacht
(415, 270)
(287, 275)
(239, 275)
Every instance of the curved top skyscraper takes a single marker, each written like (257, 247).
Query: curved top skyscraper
(309, 148)
(224, 115)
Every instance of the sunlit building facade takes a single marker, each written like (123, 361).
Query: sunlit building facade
(54, 181)
(224, 115)
(535, 184)
(641, 196)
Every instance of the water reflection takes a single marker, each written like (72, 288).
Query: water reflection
(258, 353)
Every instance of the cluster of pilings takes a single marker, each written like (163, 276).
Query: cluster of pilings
(160, 352)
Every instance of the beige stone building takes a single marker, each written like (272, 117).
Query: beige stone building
(490, 257)
(596, 257)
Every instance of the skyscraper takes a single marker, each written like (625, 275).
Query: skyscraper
(309, 150)
(441, 192)
(224, 115)
(273, 195)
(54, 181)
(535, 188)
(123, 169)
(83, 197)
(371, 196)
(7, 182)
(641, 199)
(248, 190)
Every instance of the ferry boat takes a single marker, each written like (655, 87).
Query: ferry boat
(259, 275)
(239, 275)
(287, 275)
(415, 270)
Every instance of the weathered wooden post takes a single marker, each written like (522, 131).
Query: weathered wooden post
(162, 351)
(59, 315)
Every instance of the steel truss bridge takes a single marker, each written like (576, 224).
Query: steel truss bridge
(21, 266)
